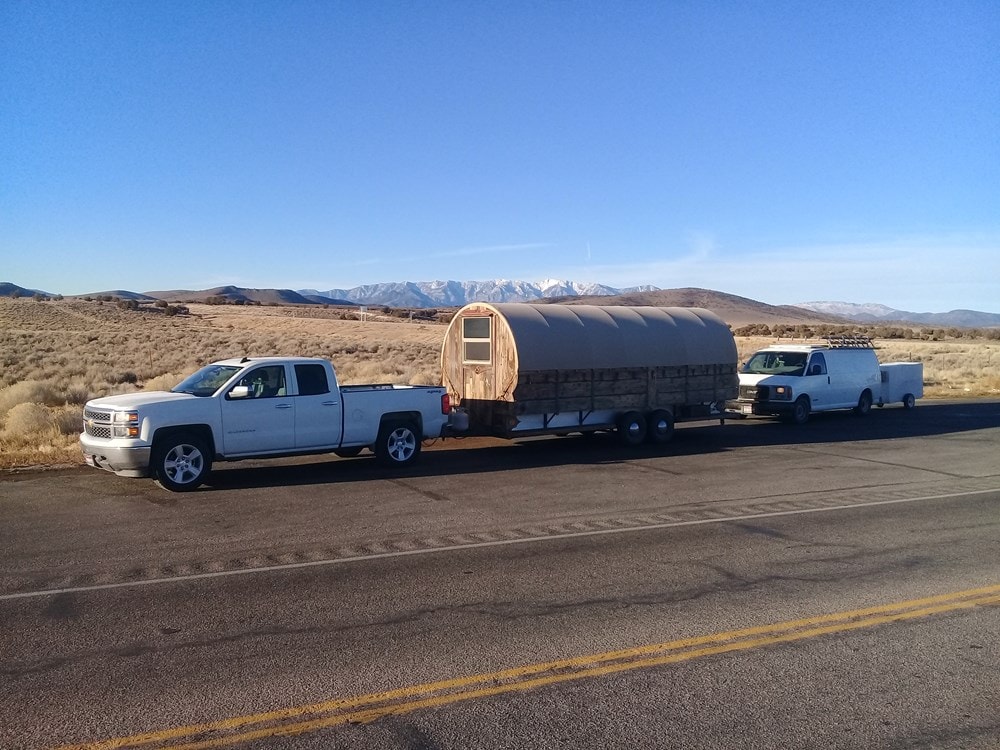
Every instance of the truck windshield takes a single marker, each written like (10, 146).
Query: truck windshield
(206, 381)
(776, 363)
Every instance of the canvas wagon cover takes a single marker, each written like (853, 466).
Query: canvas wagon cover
(554, 337)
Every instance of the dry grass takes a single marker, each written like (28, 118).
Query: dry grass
(54, 356)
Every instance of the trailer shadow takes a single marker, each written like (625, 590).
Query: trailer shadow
(456, 457)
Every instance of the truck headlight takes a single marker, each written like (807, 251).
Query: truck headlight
(781, 393)
(125, 424)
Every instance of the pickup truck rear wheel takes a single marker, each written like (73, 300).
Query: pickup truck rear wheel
(398, 444)
(181, 462)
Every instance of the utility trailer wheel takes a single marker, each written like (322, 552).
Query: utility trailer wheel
(864, 404)
(398, 444)
(659, 427)
(909, 401)
(180, 462)
(631, 428)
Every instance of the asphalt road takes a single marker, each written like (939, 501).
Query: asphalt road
(756, 585)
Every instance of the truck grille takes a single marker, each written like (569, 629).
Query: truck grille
(97, 423)
(754, 392)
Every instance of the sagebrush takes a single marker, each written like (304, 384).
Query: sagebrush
(56, 355)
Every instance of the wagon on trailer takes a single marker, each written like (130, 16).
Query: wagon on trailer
(518, 369)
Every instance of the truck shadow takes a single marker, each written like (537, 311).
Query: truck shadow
(464, 456)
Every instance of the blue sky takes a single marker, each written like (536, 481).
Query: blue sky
(783, 151)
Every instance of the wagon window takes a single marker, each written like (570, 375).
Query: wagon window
(476, 340)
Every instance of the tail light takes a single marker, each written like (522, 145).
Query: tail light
(446, 404)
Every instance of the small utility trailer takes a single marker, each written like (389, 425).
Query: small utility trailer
(902, 382)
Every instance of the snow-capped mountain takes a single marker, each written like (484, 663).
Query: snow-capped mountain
(875, 313)
(457, 293)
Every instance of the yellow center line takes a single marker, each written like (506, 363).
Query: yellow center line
(366, 708)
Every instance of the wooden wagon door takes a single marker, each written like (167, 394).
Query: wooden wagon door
(478, 355)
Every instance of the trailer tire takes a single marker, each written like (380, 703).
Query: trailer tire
(864, 403)
(398, 444)
(660, 427)
(631, 428)
(180, 462)
(909, 401)
(800, 410)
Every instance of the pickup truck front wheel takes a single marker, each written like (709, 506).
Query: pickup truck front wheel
(181, 462)
(398, 444)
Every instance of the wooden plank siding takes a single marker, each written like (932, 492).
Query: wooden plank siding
(642, 389)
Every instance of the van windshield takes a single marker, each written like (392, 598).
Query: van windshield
(776, 363)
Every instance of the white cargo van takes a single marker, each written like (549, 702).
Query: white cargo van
(794, 380)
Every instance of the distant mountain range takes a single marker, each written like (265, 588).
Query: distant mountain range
(13, 290)
(875, 313)
(458, 293)
(407, 294)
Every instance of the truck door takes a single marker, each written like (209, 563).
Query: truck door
(319, 408)
(265, 420)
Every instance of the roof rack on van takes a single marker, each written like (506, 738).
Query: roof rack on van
(849, 342)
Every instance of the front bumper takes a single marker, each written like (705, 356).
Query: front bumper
(123, 460)
(759, 408)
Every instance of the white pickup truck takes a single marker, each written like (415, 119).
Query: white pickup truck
(253, 408)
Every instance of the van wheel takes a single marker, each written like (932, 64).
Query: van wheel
(909, 401)
(800, 410)
(181, 462)
(398, 444)
(864, 404)
(660, 427)
(631, 428)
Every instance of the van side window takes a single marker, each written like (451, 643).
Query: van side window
(312, 380)
(817, 365)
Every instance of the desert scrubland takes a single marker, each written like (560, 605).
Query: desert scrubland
(55, 355)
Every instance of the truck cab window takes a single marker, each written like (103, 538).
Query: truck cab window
(312, 380)
(265, 382)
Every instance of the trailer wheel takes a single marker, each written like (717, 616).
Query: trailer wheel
(398, 444)
(864, 403)
(180, 462)
(800, 410)
(631, 428)
(909, 401)
(660, 427)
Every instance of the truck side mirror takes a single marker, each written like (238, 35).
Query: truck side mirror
(238, 392)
